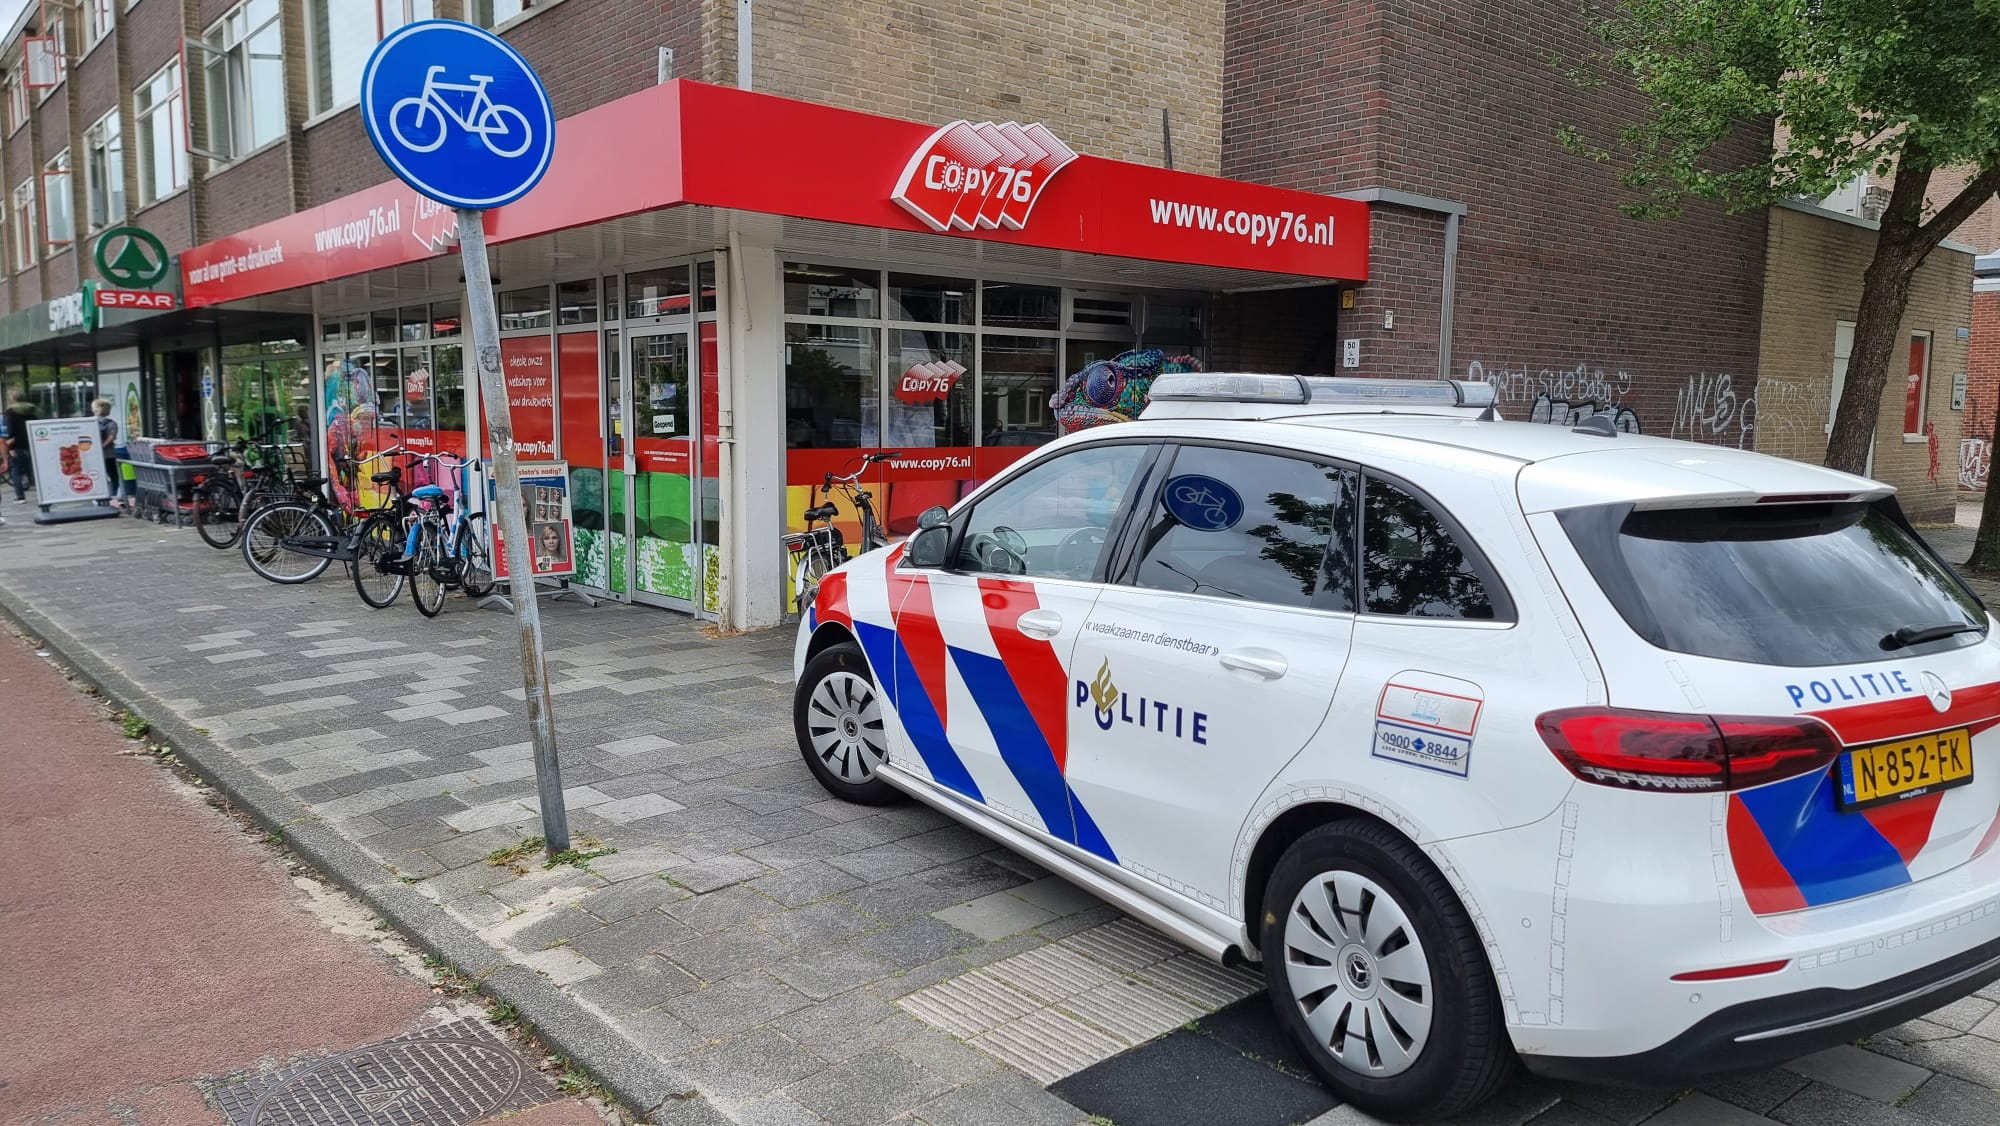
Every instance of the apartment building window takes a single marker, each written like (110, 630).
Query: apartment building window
(47, 54)
(159, 136)
(493, 13)
(99, 17)
(16, 100)
(104, 170)
(27, 232)
(246, 80)
(56, 202)
(340, 34)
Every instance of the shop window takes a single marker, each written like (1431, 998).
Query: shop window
(99, 17)
(576, 302)
(244, 66)
(945, 301)
(525, 308)
(448, 387)
(1174, 326)
(930, 389)
(383, 327)
(340, 35)
(266, 393)
(611, 298)
(657, 293)
(831, 396)
(56, 204)
(445, 318)
(27, 232)
(16, 100)
(830, 291)
(1099, 311)
(1017, 376)
(159, 135)
(416, 411)
(1007, 305)
(104, 171)
(704, 276)
(493, 13)
(413, 322)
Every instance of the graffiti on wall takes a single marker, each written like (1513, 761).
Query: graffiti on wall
(1975, 456)
(1582, 383)
(1572, 412)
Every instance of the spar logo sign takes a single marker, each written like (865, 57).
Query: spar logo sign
(982, 176)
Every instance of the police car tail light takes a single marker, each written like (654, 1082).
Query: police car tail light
(1667, 752)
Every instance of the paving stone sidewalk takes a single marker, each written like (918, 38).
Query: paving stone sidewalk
(800, 959)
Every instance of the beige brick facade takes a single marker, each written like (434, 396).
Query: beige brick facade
(1097, 74)
(1813, 263)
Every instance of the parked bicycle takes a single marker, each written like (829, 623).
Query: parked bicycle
(427, 540)
(295, 541)
(246, 478)
(818, 550)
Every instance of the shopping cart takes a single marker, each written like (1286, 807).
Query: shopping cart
(167, 471)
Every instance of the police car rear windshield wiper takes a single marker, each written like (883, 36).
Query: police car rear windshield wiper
(1912, 635)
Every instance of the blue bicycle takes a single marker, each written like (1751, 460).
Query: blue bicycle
(428, 541)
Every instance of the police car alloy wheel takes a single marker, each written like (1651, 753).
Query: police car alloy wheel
(838, 720)
(1379, 976)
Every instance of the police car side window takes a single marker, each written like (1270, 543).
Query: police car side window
(1412, 565)
(1234, 523)
(1053, 521)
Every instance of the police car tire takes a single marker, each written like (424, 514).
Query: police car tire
(846, 658)
(1467, 1056)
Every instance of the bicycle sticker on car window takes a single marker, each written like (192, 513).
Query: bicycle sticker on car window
(1203, 503)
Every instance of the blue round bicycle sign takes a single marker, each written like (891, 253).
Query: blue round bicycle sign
(457, 113)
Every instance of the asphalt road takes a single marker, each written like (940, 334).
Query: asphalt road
(154, 949)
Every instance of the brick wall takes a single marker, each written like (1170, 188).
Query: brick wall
(1281, 330)
(1557, 292)
(1097, 74)
(248, 192)
(1814, 265)
(1982, 392)
(152, 34)
(589, 52)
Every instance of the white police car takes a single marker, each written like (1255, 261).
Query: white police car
(1633, 759)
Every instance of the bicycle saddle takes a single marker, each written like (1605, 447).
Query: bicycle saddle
(310, 482)
(385, 478)
(823, 512)
(426, 491)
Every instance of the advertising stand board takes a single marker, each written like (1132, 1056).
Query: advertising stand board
(69, 470)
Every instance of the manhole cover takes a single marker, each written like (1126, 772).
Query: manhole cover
(452, 1074)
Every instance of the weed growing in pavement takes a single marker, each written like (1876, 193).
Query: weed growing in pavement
(573, 1080)
(516, 857)
(275, 836)
(577, 857)
(135, 726)
(503, 1012)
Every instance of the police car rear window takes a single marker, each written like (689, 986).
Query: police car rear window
(1797, 585)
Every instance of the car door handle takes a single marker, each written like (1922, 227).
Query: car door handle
(1040, 623)
(1263, 662)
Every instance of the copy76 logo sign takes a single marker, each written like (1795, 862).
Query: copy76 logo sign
(980, 176)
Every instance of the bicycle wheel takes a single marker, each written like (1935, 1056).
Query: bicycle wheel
(263, 543)
(217, 506)
(475, 559)
(426, 589)
(813, 566)
(378, 543)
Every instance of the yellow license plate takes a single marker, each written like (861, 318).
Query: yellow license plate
(1906, 768)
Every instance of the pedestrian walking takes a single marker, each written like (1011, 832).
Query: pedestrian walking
(107, 436)
(18, 412)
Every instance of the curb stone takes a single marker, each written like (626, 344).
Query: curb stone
(638, 1079)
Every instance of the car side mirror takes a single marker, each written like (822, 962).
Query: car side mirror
(930, 547)
(936, 516)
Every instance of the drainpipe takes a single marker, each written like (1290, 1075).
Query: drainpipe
(729, 617)
(745, 27)
(1453, 211)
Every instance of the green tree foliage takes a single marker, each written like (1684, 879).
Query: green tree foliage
(1895, 87)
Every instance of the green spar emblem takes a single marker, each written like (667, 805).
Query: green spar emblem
(140, 261)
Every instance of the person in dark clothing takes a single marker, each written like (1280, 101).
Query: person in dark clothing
(107, 437)
(18, 413)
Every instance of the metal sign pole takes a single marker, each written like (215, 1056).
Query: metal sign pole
(513, 526)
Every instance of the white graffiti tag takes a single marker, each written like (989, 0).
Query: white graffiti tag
(1975, 457)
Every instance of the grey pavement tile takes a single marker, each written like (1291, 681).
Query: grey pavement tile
(623, 900)
(634, 863)
(728, 908)
(994, 916)
(953, 842)
(473, 848)
(777, 1109)
(786, 823)
(636, 986)
(1079, 922)
(748, 1064)
(866, 1090)
(1700, 1110)
(540, 884)
(1955, 1101)
(718, 872)
(559, 925)
(817, 925)
(804, 882)
(917, 941)
(1057, 896)
(1565, 1113)
(630, 938)
(561, 965)
(1821, 1105)
(820, 974)
(738, 1003)
(1968, 1057)
(717, 956)
(1626, 1105)
(1004, 1099)
(1869, 1074)
(659, 1032)
(919, 977)
(844, 1026)
(945, 1057)
(1519, 1101)
(1917, 1032)
(1964, 1014)
(418, 834)
(625, 786)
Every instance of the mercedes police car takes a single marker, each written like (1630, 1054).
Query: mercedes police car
(1634, 760)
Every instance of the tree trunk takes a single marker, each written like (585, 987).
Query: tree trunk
(1885, 293)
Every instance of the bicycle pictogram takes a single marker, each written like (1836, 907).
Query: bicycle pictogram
(494, 124)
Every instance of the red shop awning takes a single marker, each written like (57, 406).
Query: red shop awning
(688, 142)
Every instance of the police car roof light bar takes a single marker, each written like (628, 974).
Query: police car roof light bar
(1223, 387)
(1236, 387)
